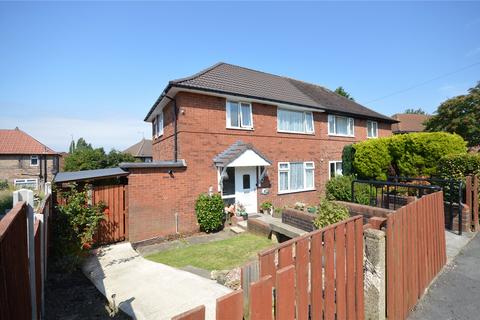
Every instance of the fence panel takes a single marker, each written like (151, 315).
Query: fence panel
(230, 306)
(415, 252)
(15, 298)
(38, 266)
(285, 291)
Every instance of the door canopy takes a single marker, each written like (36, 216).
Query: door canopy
(241, 154)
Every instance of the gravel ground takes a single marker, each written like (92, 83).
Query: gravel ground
(72, 296)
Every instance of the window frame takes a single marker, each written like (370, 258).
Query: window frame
(330, 133)
(312, 132)
(287, 169)
(330, 168)
(240, 118)
(36, 157)
(15, 181)
(376, 129)
(157, 124)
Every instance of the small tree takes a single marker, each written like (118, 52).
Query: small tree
(343, 93)
(415, 111)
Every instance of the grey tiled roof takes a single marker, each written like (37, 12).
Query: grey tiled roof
(233, 152)
(143, 148)
(235, 80)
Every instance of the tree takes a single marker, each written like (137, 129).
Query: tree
(85, 157)
(415, 111)
(71, 149)
(344, 93)
(459, 115)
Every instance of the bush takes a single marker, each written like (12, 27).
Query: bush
(329, 212)
(372, 159)
(74, 227)
(209, 210)
(340, 188)
(6, 201)
(3, 185)
(414, 154)
(267, 205)
(348, 155)
(458, 166)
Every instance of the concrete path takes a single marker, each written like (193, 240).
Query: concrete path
(455, 294)
(148, 290)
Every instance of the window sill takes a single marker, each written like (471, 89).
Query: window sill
(341, 135)
(296, 191)
(372, 137)
(244, 129)
(294, 132)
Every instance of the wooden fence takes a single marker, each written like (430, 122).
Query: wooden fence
(415, 252)
(471, 199)
(15, 299)
(318, 276)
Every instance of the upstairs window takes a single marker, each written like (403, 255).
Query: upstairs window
(239, 115)
(294, 121)
(157, 125)
(372, 129)
(340, 126)
(296, 176)
(33, 161)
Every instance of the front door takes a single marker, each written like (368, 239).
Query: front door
(246, 188)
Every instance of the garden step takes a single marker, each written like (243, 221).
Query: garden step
(242, 224)
(237, 229)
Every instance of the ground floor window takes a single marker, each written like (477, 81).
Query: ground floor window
(335, 169)
(296, 176)
(26, 183)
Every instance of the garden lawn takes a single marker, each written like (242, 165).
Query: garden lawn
(215, 255)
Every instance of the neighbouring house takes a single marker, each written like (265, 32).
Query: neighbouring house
(245, 134)
(409, 122)
(141, 150)
(24, 161)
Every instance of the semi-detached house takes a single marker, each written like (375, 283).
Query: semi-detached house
(248, 135)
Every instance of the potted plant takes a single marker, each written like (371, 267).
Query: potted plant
(267, 207)
(241, 211)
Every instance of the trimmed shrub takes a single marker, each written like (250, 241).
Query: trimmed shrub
(348, 155)
(340, 188)
(414, 154)
(209, 210)
(372, 159)
(458, 166)
(329, 212)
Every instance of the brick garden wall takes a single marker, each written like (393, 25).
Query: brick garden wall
(298, 219)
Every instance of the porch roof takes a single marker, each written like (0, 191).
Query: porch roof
(241, 154)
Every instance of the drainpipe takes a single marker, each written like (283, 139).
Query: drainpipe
(175, 131)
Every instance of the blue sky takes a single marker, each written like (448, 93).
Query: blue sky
(94, 69)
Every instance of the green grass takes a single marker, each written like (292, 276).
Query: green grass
(216, 255)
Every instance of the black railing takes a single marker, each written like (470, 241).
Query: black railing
(381, 193)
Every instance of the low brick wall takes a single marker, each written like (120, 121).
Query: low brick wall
(259, 227)
(366, 211)
(298, 219)
(397, 201)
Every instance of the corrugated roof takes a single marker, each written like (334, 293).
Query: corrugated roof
(15, 141)
(234, 151)
(89, 175)
(409, 122)
(143, 148)
(235, 80)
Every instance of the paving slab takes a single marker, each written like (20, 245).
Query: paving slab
(277, 225)
(145, 289)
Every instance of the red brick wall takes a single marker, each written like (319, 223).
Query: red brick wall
(202, 134)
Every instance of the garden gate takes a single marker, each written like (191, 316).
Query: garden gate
(114, 227)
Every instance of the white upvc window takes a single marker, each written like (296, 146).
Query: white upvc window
(239, 115)
(34, 161)
(296, 176)
(335, 169)
(340, 126)
(158, 125)
(293, 121)
(26, 184)
(372, 129)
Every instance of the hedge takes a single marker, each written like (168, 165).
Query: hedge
(459, 166)
(414, 154)
(340, 188)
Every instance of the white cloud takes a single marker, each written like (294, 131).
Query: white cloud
(56, 132)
